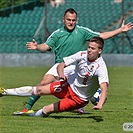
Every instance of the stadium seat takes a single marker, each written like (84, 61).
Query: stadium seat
(96, 15)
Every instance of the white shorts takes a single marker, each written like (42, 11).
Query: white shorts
(69, 70)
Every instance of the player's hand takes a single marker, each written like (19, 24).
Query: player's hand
(126, 27)
(97, 107)
(63, 78)
(31, 45)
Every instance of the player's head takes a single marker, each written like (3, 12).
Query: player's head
(69, 19)
(95, 47)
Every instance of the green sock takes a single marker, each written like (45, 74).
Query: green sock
(31, 101)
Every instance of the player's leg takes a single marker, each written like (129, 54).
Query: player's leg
(53, 88)
(48, 78)
(26, 91)
(21, 91)
(47, 110)
(70, 102)
(63, 91)
(64, 105)
(34, 98)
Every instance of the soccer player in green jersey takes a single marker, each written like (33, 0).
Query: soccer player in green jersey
(66, 41)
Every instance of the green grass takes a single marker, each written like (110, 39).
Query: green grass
(117, 110)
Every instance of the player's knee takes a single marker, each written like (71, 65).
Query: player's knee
(39, 90)
(47, 79)
(42, 83)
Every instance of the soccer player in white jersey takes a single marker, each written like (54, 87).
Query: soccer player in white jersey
(76, 90)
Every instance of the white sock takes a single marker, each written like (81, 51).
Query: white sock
(21, 91)
(34, 91)
(41, 112)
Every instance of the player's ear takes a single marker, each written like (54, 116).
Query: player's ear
(100, 51)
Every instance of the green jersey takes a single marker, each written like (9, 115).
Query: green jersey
(65, 43)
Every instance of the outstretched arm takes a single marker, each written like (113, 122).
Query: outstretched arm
(34, 46)
(124, 28)
(103, 96)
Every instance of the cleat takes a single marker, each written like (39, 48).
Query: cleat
(25, 111)
(1, 91)
(81, 110)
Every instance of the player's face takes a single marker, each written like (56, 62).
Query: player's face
(70, 20)
(93, 51)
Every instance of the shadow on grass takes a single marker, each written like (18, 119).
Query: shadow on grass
(96, 118)
(73, 115)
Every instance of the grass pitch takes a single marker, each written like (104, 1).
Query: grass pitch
(117, 110)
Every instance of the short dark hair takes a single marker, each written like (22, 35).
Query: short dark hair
(71, 10)
(99, 41)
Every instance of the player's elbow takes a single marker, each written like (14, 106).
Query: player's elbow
(103, 36)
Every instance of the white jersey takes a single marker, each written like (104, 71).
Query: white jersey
(88, 75)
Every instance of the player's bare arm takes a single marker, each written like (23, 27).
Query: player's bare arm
(124, 28)
(104, 88)
(34, 46)
(60, 70)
